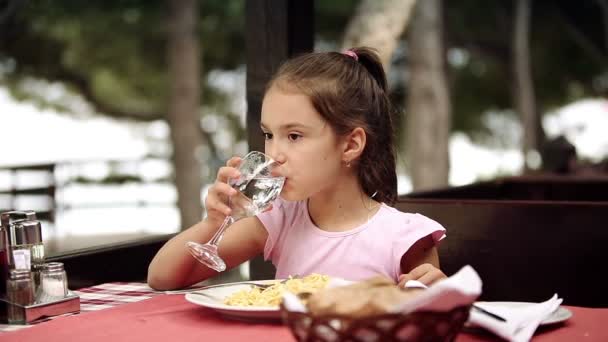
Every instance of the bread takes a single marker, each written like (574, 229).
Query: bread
(371, 297)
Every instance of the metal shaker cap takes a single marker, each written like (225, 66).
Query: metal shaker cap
(5, 221)
(53, 267)
(25, 232)
(19, 274)
(9, 216)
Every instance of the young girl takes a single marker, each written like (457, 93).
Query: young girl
(326, 120)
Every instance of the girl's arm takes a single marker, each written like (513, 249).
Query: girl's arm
(173, 266)
(421, 262)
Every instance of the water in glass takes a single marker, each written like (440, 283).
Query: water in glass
(257, 188)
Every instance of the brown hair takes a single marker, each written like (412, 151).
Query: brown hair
(350, 91)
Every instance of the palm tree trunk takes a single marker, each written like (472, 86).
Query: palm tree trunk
(428, 107)
(184, 103)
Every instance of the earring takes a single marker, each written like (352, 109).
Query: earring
(348, 164)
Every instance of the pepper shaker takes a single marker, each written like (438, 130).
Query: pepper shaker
(20, 293)
(6, 218)
(27, 249)
(4, 259)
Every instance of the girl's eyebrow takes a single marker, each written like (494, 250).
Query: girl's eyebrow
(288, 126)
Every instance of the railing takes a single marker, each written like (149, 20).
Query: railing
(14, 190)
(50, 189)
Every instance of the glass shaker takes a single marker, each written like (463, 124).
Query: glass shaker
(53, 282)
(6, 260)
(4, 257)
(27, 249)
(20, 293)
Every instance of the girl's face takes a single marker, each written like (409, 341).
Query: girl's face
(303, 143)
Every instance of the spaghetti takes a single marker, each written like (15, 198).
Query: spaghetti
(272, 295)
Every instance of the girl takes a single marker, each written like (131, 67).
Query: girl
(326, 119)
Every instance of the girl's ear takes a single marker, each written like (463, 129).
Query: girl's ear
(354, 144)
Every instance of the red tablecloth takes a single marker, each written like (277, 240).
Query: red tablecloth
(172, 318)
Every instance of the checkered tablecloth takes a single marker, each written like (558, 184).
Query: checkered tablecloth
(101, 297)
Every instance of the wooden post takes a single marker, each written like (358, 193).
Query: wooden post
(275, 31)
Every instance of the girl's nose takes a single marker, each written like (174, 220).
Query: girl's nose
(280, 158)
(275, 153)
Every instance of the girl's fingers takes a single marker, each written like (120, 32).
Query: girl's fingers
(234, 162)
(404, 278)
(216, 198)
(227, 172)
(420, 270)
(221, 208)
(222, 189)
(430, 277)
(425, 273)
(218, 215)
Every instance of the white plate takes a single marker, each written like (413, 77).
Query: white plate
(559, 315)
(213, 298)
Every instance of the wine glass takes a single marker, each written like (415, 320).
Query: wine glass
(257, 188)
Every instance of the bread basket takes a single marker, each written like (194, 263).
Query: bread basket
(416, 326)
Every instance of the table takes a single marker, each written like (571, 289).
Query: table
(100, 297)
(133, 312)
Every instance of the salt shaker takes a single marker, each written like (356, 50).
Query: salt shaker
(53, 282)
(20, 293)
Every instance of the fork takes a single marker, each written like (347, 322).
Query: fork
(258, 285)
(417, 284)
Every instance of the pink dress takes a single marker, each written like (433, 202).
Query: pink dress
(296, 246)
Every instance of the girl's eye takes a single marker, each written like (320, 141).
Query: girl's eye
(267, 136)
(294, 137)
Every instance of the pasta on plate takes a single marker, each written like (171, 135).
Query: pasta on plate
(272, 295)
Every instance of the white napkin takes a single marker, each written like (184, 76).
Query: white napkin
(521, 321)
(462, 288)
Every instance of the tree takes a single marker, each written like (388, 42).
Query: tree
(428, 100)
(378, 24)
(116, 56)
(523, 85)
(184, 103)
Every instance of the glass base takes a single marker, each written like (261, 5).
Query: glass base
(207, 255)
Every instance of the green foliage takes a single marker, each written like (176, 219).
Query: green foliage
(117, 49)
(331, 18)
(565, 63)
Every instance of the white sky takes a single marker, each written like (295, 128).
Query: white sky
(30, 135)
(585, 124)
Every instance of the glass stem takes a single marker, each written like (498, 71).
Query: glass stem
(217, 237)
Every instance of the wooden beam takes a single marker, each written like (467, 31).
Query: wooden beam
(275, 31)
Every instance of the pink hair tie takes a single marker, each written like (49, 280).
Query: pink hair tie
(351, 53)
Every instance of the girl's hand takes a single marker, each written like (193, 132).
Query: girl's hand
(425, 273)
(216, 202)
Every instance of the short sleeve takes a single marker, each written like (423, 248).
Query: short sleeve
(415, 227)
(273, 221)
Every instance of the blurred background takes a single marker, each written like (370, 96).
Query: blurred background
(115, 115)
